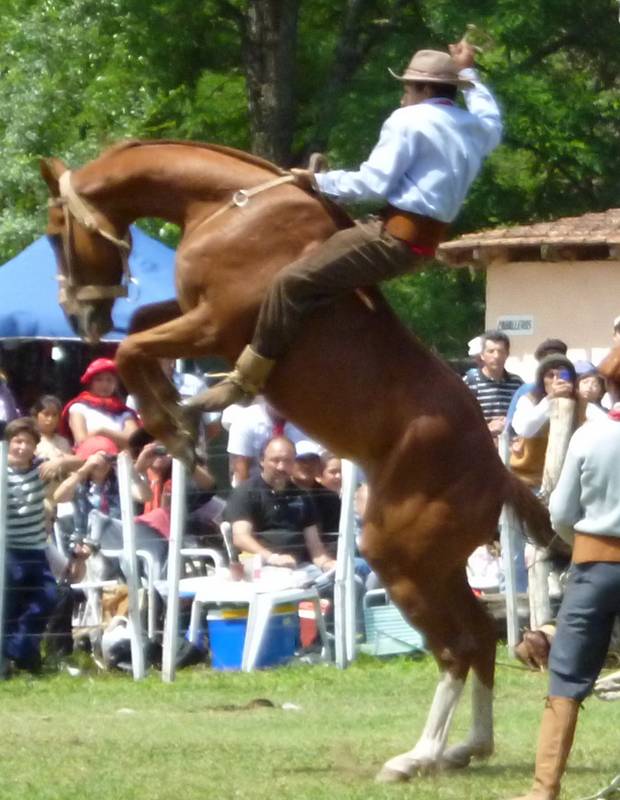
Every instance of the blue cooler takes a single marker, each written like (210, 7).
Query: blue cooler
(227, 627)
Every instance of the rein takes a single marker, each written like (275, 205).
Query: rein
(242, 197)
(74, 207)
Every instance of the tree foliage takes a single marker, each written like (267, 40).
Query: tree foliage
(285, 77)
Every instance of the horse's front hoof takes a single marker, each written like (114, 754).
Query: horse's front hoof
(389, 775)
(183, 450)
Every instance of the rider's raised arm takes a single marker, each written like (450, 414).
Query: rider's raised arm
(481, 103)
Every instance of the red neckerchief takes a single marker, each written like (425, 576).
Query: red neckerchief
(614, 413)
(278, 427)
(110, 405)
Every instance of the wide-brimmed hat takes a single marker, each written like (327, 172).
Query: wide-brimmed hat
(96, 367)
(432, 66)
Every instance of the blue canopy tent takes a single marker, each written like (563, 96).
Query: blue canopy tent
(29, 290)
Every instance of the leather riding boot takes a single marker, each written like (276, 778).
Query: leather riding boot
(239, 386)
(554, 743)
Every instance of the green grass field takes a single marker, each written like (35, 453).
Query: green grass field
(108, 738)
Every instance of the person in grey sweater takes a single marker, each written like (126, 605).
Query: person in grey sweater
(585, 501)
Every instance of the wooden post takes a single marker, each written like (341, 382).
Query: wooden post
(561, 426)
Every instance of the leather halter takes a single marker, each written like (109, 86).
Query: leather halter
(71, 293)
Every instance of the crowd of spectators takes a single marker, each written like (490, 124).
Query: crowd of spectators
(520, 413)
(284, 504)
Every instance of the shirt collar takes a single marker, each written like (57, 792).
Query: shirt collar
(439, 101)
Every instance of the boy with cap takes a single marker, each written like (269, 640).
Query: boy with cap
(428, 154)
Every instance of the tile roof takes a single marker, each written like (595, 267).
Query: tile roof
(590, 237)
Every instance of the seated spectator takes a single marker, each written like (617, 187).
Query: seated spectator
(545, 348)
(273, 519)
(8, 406)
(152, 460)
(484, 569)
(94, 488)
(54, 449)
(555, 377)
(590, 391)
(308, 471)
(250, 430)
(328, 500)
(491, 384)
(31, 592)
(99, 409)
(307, 465)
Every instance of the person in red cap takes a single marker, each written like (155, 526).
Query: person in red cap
(99, 409)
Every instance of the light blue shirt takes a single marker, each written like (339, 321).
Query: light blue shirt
(427, 156)
(587, 495)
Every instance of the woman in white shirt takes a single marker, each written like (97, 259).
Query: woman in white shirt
(555, 377)
(99, 410)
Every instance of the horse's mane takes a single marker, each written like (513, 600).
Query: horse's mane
(338, 214)
(248, 158)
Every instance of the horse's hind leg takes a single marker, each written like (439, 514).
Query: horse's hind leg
(479, 743)
(427, 604)
(162, 331)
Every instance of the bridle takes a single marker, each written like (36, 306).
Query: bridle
(70, 292)
(74, 207)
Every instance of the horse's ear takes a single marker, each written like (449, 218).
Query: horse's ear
(51, 170)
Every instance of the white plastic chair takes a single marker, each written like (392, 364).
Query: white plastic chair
(261, 597)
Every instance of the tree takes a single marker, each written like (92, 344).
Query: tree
(283, 78)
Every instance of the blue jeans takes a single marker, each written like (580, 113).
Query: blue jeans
(31, 595)
(585, 622)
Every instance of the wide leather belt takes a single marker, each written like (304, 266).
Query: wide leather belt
(415, 229)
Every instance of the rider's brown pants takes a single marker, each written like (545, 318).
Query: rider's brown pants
(352, 258)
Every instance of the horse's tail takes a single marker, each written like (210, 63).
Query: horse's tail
(529, 510)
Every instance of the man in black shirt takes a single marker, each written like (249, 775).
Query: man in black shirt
(272, 518)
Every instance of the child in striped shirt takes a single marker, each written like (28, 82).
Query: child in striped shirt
(30, 586)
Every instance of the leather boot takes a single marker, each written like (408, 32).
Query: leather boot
(239, 386)
(554, 743)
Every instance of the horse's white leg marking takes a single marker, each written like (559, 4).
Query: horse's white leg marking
(479, 743)
(427, 752)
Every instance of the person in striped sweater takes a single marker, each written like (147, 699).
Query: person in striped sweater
(31, 591)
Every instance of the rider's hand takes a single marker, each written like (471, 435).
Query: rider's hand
(305, 179)
(463, 54)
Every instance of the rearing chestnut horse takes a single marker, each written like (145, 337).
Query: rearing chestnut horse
(436, 484)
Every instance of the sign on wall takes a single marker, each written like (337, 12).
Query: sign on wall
(516, 324)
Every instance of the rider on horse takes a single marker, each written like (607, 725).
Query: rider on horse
(429, 152)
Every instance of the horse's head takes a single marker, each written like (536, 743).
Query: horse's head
(92, 259)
